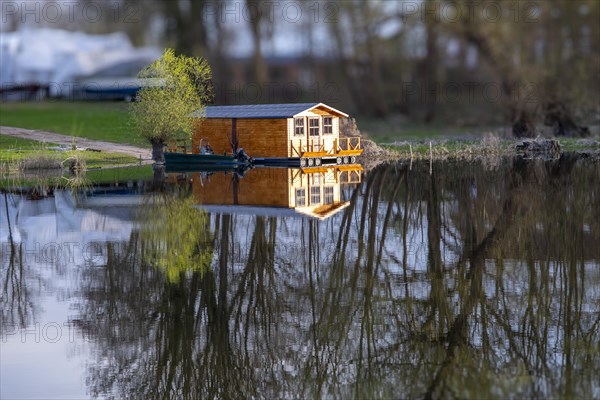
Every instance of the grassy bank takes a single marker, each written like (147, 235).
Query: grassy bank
(467, 149)
(21, 154)
(385, 131)
(62, 179)
(108, 121)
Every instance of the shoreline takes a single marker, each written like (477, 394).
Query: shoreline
(451, 149)
(472, 149)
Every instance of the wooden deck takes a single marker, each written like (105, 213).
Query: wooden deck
(344, 174)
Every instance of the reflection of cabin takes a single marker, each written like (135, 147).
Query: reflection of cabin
(315, 192)
(309, 132)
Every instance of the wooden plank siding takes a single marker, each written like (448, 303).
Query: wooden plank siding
(258, 137)
(216, 131)
(267, 187)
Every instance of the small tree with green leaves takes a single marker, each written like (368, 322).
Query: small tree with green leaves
(163, 110)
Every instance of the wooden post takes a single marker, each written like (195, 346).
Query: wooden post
(430, 159)
(234, 139)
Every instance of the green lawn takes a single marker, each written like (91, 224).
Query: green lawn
(108, 121)
(388, 131)
(8, 142)
(112, 175)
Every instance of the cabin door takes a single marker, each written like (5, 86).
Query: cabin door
(314, 134)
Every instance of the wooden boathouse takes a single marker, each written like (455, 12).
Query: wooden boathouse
(308, 133)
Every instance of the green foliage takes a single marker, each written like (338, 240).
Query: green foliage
(163, 110)
(175, 236)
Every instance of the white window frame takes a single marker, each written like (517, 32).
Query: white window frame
(311, 128)
(299, 127)
(328, 194)
(315, 195)
(329, 126)
(300, 194)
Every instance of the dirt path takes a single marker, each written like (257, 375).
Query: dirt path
(64, 140)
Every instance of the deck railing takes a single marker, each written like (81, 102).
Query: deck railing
(318, 146)
(351, 176)
(331, 174)
(347, 143)
(310, 146)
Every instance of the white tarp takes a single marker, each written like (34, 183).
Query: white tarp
(56, 224)
(60, 58)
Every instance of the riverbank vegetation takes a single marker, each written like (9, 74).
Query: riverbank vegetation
(27, 155)
(110, 121)
(65, 178)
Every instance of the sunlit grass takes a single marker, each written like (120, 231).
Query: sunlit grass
(108, 121)
(9, 142)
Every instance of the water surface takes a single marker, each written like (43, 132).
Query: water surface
(477, 280)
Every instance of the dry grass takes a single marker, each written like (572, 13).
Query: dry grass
(75, 163)
(489, 146)
(40, 161)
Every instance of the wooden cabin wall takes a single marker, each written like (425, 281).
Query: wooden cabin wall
(266, 187)
(258, 137)
(217, 131)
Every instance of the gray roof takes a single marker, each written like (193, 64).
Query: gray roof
(259, 110)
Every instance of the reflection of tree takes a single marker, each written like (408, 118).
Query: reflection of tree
(167, 337)
(17, 307)
(459, 330)
(175, 236)
(454, 284)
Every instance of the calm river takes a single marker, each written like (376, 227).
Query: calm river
(474, 280)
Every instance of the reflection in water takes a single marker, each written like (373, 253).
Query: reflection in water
(472, 281)
(174, 234)
(315, 192)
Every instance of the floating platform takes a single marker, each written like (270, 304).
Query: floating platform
(305, 161)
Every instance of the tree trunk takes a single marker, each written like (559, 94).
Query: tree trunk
(560, 119)
(429, 65)
(524, 125)
(158, 153)
(260, 67)
(158, 178)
